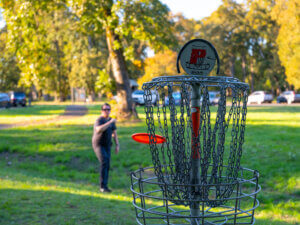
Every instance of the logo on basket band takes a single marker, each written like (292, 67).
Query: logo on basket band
(197, 57)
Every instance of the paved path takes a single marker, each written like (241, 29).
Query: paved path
(75, 110)
(70, 112)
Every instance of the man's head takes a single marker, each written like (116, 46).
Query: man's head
(106, 110)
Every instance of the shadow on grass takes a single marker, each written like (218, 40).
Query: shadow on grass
(53, 207)
(50, 207)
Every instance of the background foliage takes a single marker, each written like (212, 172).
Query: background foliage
(54, 46)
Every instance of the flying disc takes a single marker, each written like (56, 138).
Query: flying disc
(145, 138)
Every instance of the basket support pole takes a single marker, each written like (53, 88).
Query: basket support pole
(195, 153)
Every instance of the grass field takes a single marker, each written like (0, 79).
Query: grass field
(29, 114)
(49, 174)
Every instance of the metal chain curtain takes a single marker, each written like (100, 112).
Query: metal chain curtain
(220, 155)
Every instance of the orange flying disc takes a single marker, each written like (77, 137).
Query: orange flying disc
(145, 138)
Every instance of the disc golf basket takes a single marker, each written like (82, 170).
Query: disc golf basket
(196, 148)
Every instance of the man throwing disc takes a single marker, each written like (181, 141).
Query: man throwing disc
(104, 129)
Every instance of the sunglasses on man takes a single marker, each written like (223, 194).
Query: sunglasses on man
(105, 109)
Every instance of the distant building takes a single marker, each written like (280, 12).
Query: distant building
(79, 94)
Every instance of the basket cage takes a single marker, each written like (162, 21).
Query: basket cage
(215, 144)
(154, 206)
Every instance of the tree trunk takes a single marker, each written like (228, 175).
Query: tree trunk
(34, 93)
(120, 75)
(91, 96)
(252, 76)
(244, 67)
(232, 65)
(59, 72)
(72, 94)
(56, 97)
(91, 87)
(40, 95)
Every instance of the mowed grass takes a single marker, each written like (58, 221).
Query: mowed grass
(27, 114)
(49, 174)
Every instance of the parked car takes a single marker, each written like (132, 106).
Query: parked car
(4, 100)
(138, 97)
(176, 96)
(214, 97)
(281, 99)
(260, 97)
(18, 98)
(288, 97)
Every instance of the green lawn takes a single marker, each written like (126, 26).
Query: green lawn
(49, 174)
(28, 114)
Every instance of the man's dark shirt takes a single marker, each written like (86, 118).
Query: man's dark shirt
(104, 138)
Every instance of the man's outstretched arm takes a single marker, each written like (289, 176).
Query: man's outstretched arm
(101, 128)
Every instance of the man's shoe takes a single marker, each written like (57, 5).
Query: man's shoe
(107, 190)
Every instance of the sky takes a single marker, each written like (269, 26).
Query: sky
(191, 9)
(2, 23)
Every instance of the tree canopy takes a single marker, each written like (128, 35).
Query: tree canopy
(124, 23)
(286, 13)
(9, 70)
(162, 64)
(99, 45)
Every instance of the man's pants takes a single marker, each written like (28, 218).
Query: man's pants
(105, 165)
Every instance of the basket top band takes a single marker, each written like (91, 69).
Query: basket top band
(194, 79)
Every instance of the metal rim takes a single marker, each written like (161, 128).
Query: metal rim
(213, 80)
(151, 181)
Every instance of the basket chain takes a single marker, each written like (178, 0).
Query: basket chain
(172, 159)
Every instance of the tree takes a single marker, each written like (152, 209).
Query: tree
(245, 37)
(105, 84)
(267, 71)
(86, 58)
(146, 21)
(162, 64)
(186, 29)
(225, 28)
(9, 71)
(39, 39)
(286, 13)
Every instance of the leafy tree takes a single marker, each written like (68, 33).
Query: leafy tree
(105, 84)
(186, 29)
(145, 20)
(265, 60)
(86, 57)
(58, 38)
(226, 30)
(286, 13)
(9, 71)
(245, 37)
(162, 64)
(39, 39)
